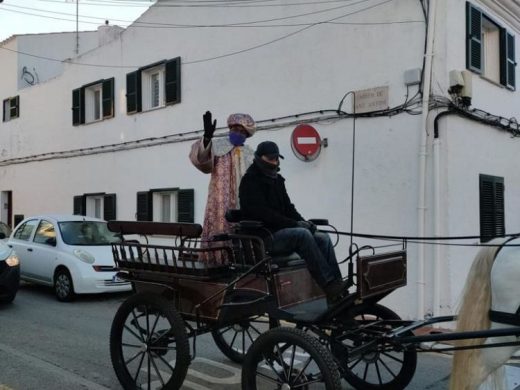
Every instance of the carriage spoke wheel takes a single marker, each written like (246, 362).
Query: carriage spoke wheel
(383, 367)
(234, 340)
(289, 358)
(148, 344)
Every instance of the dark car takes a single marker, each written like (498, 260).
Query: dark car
(9, 268)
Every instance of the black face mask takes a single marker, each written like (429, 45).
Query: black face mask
(267, 169)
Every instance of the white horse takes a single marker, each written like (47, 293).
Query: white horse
(493, 283)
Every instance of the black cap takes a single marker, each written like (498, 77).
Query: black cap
(269, 149)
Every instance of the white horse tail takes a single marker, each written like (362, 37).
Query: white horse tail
(467, 369)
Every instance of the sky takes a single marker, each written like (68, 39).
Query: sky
(41, 16)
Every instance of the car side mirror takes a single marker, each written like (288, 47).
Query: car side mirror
(51, 241)
(2, 235)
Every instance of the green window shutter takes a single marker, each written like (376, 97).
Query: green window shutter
(507, 59)
(133, 92)
(78, 106)
(80, 205)
(186, 206)
(4, 106)
(492, 215)
(473, 38)
(173, 81)
(144, 206)
(109, 207)
(108, 98)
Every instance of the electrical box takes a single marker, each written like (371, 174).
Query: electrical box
(412, 76)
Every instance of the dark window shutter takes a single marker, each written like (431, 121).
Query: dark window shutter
(78, 106)
(144, 206)
(173, 81)
(4, 105)
(185, 205)
(492, 215)
(473, 38)
(15, 107)
(133, 92)
(108, 98)
(507, 59)
(80, 205)
(109, 207)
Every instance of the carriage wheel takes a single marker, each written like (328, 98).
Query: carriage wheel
(383, 367)
(148, 344)
(289, 358)
(234, 340)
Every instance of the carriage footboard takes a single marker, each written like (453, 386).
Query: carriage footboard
(380, 274)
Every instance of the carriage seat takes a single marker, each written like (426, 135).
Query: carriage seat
(284, 260)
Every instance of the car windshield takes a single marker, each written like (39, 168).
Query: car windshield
(87, 233)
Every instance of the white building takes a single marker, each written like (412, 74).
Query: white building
(137, 103)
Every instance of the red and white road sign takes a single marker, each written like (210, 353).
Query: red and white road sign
(306, 142)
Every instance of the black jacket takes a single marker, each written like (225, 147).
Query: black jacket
(265, 199)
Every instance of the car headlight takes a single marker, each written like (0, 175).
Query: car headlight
(12, 261)
(84, 256)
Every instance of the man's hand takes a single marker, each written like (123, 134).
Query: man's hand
(209, 127)
(307, 225)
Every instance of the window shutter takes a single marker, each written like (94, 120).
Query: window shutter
(133, 92)
(507, 59)
(185, 205)
(78, 106)
(4, 105)
(108, 98)
(173, 81)
(15, 107)
(492, 216)
(109, 207)
(144, 206)
(80, 205)
(473, 38)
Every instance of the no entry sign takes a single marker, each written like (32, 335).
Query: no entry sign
(306, 142)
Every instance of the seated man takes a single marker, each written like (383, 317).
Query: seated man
(263, 197)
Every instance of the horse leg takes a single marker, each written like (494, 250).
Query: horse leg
(494, 358)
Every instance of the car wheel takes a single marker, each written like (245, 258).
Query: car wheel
(63, 287)
(8, 299)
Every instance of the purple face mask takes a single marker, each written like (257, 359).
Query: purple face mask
(237, 139)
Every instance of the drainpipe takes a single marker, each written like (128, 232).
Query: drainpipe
(437, 225)
(421, 206)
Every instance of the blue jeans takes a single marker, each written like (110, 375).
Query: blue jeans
(316, 249)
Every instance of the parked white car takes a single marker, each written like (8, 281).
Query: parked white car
(71, 253)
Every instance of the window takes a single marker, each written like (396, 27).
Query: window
(93, 102)
(490, 48)
(25, 231)
(45, 234)
(98, 205)
(153, 86)
(492, 216)
(11, 108)
(166, 205)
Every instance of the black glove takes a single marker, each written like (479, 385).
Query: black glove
(307, 225)
(209, 127)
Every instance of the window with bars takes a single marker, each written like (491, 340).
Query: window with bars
(492, 215)
(490, 48)
(152, 86)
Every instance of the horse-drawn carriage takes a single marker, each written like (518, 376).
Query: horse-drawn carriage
(263, 311)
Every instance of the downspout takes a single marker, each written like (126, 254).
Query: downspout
(437, 225)
(421, 206)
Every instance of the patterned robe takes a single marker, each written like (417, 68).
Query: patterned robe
(227, 164)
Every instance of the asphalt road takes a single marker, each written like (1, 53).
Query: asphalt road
(45, 344)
